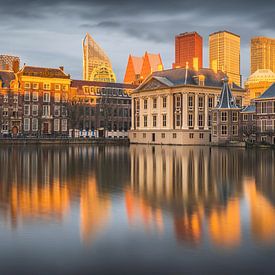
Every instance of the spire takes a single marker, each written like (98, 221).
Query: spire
(226, 100)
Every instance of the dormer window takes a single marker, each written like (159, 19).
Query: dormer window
(201, 80)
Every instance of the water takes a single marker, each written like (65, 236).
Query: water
(137, 210)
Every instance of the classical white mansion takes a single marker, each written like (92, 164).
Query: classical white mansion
(174, 106)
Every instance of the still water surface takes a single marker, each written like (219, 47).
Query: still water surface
(136, 210)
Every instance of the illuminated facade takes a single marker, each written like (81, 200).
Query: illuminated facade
(188, 48)
(96, 64)
(258, 82)
(174, 106)
(262, 55)
(139, 68)
(224, 54)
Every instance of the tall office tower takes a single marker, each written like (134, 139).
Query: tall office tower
(188, 48)
(96, 64)
(9, 63)
(224, 54)
(262, 54)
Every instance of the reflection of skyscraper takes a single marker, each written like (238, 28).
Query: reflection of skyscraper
(96, 64)
(94, 210)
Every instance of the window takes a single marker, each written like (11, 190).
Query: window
(234, 116)
(64, 125)
(26, 110)
(57, 87)
(209, 120)
(5, 112)
(46, 86)
(162, 135)
(137, 105)
(56, 125)
(190, 102)
(27, 85)
(215, 131)
(6, 98)
(15, 99)
(224, 130)
(154, 103)
(144, 135)
(145, 121)
(154, 121)
(200, 120)
(46, 110)
(145, 104)
(264, 107)
(190, 120)
(35, 96)
(64, 97)
(210, 102)
(138, 122)
(214, 117)
(224, 116)
(35, 110)
(57, 97)
(178, 101)
(46, 97)
(164, 117)
(5, 126)
(26, 124)
(191, 135)
(174, 135)
(164, 102)
(35, 124)
(64, 111)
(178, 120)
(27, 96)
(201, 135)
(245, 117)
(201, 99)
(264, 125)
(56, 110)
(235, 130)
(35, 86)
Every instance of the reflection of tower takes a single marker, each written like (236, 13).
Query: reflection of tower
(96, 64)
(225, 224)
(94, 210)
(262, 214)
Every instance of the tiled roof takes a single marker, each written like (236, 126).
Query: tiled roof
(249, 109)
(6, 77)
(226, 100)
(177, 77)
(137, 63)
(80, 83)
(155, 61)
(269, 93)
(44, 72)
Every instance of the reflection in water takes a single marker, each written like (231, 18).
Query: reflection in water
(203, 194)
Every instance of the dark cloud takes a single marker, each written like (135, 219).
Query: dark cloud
(56, 27)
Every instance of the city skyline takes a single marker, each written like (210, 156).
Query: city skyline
(56, 37)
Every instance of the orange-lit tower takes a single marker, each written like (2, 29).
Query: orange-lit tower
(188, 48)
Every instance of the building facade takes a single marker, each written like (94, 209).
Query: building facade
(224, 54)
(188, 48)
(174, 106)
(262, 54)
(96, 64)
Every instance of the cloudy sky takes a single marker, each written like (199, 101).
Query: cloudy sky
(49, 33)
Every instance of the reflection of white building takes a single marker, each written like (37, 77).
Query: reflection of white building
(174, 106)
(96, 64)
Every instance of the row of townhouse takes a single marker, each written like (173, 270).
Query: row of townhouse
(38, 101)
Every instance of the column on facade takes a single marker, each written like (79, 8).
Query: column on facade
(133, 114)
(196, 126)
(215, 100)
(206, 112)
(184, 111)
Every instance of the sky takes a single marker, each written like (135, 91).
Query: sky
(49, 33)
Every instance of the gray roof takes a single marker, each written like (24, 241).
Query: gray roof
(269, 93)
(226, 100)
(6, 77)
(177, 77)
(249, 109)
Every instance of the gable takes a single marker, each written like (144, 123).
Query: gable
(153, 84)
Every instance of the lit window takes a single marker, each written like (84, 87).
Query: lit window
(46, 86)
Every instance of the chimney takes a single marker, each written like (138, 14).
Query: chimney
(61, 68)
(196, 64)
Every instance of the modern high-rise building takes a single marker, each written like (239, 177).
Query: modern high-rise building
(188, 48)
(96, 64)
(262, 54)
(9, 63)
(224, 54)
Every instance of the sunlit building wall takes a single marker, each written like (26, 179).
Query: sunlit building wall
(224, 54)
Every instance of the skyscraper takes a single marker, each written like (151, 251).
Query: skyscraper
(96, 64)
(262, 55)
(224, 54)
(188, 48)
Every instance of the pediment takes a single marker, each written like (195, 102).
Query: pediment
(153, 84)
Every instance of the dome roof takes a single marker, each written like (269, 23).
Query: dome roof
(261, 75)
